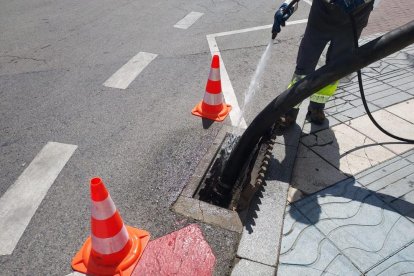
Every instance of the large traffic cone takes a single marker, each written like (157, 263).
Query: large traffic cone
(112, 248)
(212, 106)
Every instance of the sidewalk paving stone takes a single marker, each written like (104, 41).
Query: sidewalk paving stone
(405, 205)
(261, 235)
(346, 149)
(361, 225)
(390, 166)
(394, 176)
(404, 110)
(312, 173)
(394, 98)
(389, 122)
(399, 188)
(248, 268)
(401, 263)
(409, 156)
(305, 251)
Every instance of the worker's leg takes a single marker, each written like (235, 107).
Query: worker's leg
(342, 43)
(310, 50)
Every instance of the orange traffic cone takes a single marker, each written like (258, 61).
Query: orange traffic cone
(112, 248)
(212, 106)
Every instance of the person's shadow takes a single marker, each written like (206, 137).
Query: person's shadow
(318, 177)
(348, 188)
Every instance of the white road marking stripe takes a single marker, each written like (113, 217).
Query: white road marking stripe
(308, 2)
(75, 274)
(188, 20)
(127, 73)
(258, 28)
(236, 116)
(21, 200)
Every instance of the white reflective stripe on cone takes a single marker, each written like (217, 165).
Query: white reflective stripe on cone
(104, 209)
(213, 99)
(110, 245)
(214, 74)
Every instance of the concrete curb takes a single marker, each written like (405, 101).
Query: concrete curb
(259, 246)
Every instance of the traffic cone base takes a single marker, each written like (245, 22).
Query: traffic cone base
(219, 117)
(86, 263)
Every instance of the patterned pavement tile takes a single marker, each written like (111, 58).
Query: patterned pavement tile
(386, 169)
(392, 99)
(401, 263)
(363, 227)
(404, 110)
(346, 149)
(311, 173)
(405, 205)
(389, 122)
(305, 251)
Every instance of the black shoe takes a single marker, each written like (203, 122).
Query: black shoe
(288, 119)
(315, 113)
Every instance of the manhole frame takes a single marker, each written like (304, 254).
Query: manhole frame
(194, 208)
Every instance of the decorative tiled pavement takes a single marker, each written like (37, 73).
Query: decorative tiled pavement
(361, 225)
(352, 188)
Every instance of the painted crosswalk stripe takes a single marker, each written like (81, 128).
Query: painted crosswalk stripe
(20, 202)
(127, 73)
(188, 20)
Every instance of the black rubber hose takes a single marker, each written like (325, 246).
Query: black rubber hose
(361, 90)
(374, 50)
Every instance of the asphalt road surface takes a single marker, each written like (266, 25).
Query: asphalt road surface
(57, 115)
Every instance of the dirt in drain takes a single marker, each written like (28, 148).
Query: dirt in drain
(208, 185)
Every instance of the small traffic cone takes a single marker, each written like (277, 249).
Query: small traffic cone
(112, 248)
(212, 106)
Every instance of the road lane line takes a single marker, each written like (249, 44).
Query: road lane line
(308, 2)
(236, 116)
(126, 74)
(188, 20)
(20, 202)
(258, 28)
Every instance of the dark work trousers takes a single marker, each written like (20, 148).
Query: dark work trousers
(328, 24)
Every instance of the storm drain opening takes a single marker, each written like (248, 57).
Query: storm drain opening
(248, 182)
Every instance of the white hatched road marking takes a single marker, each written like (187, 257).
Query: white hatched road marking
(21, 200)
(236, 116)
(188, 20)
(122, 78)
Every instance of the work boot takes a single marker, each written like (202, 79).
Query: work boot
(288, 119)
(315, 113)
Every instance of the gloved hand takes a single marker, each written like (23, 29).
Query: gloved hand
(281, 15)
(348, 6)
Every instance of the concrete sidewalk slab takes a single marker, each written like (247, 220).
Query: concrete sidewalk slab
(403, 110)
(312, 173)
(390, 122)
(346, 149)
(247, 268)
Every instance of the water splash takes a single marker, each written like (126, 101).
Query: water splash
(256, 81)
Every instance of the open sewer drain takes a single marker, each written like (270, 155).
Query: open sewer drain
(209, 182)
(248, 182)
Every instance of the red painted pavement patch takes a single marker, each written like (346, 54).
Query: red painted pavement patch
(184, 252)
